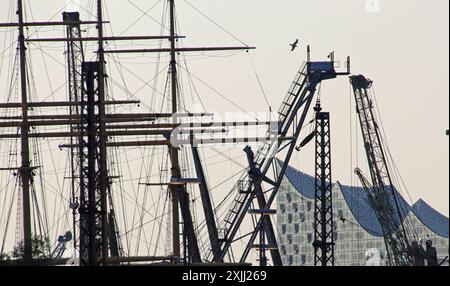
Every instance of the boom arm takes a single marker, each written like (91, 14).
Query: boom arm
(385, 201)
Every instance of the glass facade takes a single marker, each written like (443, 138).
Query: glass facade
(295, 221)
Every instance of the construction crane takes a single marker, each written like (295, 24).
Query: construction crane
(263, 179)
(381, 190)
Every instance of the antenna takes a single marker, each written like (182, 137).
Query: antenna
(308, 51)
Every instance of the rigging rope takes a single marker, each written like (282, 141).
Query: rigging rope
(215, 23)
(260, 85)
(220, 94)
(146, 14)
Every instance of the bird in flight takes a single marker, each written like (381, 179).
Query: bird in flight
(294, 45)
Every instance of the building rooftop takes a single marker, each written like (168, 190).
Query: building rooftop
(430, 217)
(358, 202)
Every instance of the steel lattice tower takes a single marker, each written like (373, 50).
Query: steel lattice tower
(75, 57)
(93, 234)
(381, 191)
(323, 213)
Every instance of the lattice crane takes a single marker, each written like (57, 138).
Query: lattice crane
(381, 190)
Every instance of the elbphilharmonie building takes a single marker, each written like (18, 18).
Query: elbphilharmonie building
(357, 233)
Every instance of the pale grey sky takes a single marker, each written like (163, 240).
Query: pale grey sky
(404, 48)
(402, 45)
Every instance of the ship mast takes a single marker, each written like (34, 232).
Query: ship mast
(104, 184)
(180, 196)
(25, 169)
(174, 158)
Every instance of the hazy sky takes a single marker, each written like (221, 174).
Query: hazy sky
(402, 45)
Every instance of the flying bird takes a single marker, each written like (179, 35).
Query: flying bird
(294, 45)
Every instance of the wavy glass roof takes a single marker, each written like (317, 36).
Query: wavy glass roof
(358, 202)
(434, 220)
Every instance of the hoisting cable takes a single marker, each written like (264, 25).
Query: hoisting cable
(385, 143)
(396, 174)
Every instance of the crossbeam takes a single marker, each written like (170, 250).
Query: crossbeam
(188, 125)
(265, 212)
(199, 49)
(66, 23)
(267, 246)
(110, 133)
(130, 116)
(112, 124)
(108, 260)
(94, 39)
(126, 144)
(19, 168)
(185, 142)
(180, 182)
(62, 104)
